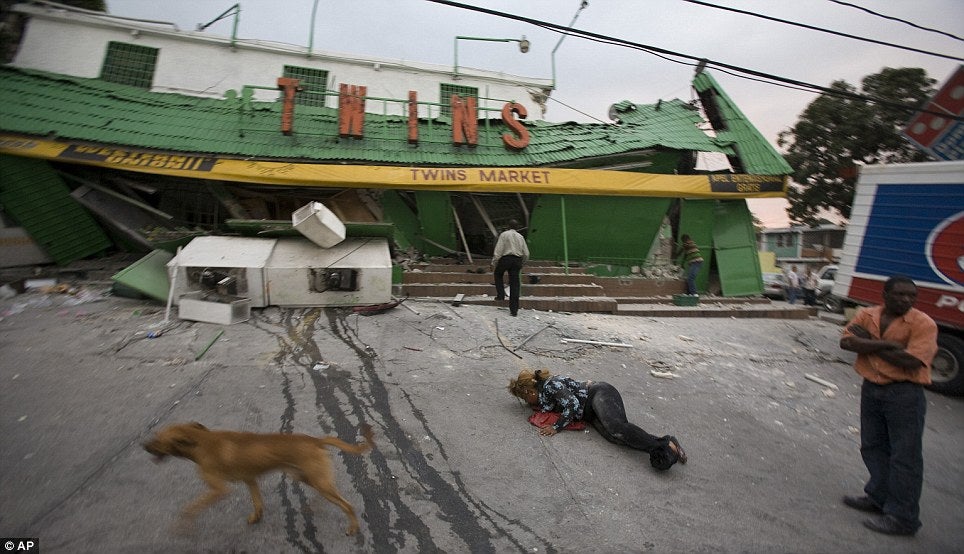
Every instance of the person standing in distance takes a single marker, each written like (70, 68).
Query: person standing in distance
(810, 285)
(793, 285)
(692, 260)
(511, 253)
(895, 345)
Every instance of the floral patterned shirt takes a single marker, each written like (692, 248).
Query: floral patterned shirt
(565, 395)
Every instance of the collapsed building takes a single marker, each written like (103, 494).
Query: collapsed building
(131, 134)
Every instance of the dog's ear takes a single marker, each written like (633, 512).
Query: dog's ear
(184, 439)
(184, 442)
(197, 425)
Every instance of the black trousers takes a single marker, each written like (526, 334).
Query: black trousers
(512, 264)
(605, 412)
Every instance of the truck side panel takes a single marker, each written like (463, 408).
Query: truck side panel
(908, 219)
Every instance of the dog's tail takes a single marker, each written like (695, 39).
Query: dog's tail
(357, 448)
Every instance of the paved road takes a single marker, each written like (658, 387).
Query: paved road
(457, 467)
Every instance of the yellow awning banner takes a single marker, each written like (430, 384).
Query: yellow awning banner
(537, 180)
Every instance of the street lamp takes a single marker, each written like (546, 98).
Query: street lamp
(523, 47)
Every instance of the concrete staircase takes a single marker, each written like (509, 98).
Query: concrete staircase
(546, 286)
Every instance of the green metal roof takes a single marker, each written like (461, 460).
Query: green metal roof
(51, 105)
(754, 152)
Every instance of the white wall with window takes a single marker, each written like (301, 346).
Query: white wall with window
(79, 43)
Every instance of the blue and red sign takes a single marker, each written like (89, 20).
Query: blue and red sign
(942, 136)
(925, 243)
(945, 249)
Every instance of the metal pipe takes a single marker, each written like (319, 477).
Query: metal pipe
(311, 30)
(234, 30)
(208, 347)
(582, 6)
(565, 238)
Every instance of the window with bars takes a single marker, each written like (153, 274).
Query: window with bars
(129, 64)
(310, 80)
(447, 90)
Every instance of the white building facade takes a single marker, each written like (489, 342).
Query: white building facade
(89, 44)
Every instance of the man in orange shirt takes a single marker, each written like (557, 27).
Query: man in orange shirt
(895, 344)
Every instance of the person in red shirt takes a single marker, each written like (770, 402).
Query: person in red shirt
(895, 345)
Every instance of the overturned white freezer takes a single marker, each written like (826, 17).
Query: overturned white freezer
(289, 271)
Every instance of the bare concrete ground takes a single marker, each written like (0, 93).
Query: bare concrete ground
(457, 466)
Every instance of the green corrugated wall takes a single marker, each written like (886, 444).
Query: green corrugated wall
(696, 219)
(602, 229)
(37, 198)
(734, 243)
(723, 229)
(438, 223)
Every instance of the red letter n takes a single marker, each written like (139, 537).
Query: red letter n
(465, 121)
(288, 88)
(351, 110)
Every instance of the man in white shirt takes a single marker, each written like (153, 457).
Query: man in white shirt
(793, 285)
(511, 252)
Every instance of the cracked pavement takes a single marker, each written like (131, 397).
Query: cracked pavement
(457, 467)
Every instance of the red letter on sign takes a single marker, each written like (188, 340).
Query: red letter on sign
(412, 117)
(523, 134)
(465, 121)
(288, 87)
(351, 110)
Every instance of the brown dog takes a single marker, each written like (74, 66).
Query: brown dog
(224, 456)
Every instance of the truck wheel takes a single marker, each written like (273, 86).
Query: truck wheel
(833, 304)
(946, 371)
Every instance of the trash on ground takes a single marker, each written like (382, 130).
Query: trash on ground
(823, 382)
(662, 374)
(597, 342)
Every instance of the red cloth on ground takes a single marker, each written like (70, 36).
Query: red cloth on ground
(541, 419)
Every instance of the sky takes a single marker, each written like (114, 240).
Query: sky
(591, 76)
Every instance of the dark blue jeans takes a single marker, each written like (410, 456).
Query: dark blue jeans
(891, 442)
(691, 272)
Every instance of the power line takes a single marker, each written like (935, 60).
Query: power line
(822, 30)
(556, 100)
(663, 53)
(912, 24)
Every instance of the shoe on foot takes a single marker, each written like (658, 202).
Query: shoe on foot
(862, 503)
(888, 525)
(676, 447)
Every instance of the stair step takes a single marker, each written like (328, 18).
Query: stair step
(712, 301)
(416, 277)
(628, 287)
(750, 310)
(531, 267)
(480, 289)
(657, 307)
(559, 290)
(588, 304)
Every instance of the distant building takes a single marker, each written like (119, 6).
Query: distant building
(804, 246)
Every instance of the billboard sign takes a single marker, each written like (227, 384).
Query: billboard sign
(940, 136)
